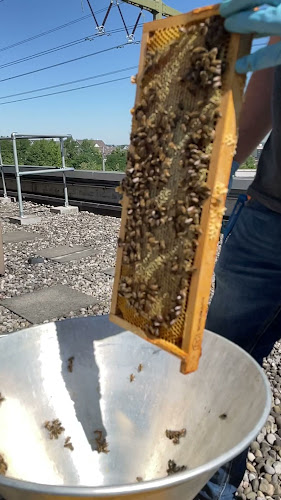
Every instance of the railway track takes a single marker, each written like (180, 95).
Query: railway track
(89, 190)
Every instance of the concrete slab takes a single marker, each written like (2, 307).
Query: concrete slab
(110, 271)
(5, 200)
(59, 251)
(17, 236)
(76, 255)
(66, 253)
(64, 210)
(48, 303)
(26, 220)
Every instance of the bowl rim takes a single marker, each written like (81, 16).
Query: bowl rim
(154, 484)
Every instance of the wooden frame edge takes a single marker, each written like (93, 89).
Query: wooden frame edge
(222, 152)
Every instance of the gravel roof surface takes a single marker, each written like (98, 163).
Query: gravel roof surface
(86, 275)
(262, 477)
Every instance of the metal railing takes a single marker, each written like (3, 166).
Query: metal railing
(19, 173)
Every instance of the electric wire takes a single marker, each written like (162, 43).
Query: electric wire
(52, 30)
(121, 46)
(61, 47)
(69, 83)
(65, 91)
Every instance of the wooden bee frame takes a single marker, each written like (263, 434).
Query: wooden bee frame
(223, 149)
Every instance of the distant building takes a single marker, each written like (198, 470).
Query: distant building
(104, 148)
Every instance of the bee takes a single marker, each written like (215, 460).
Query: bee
(70, 364)
(199, 50)
(68, 444)
(140, 367)
(154, 287)
(132, 377)
(102, 445)
(217, 85)
(1, 398)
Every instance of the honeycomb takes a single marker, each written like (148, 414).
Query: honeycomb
(180, 87)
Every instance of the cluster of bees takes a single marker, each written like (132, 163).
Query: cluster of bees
(132, 376)
(54, 428)
(173, 131)
(175, 435)
(173, 468)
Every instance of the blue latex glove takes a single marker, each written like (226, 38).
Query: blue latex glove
(240, 18)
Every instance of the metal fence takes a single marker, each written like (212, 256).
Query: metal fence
(18, 173)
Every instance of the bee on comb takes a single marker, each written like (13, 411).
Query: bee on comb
(184, 133)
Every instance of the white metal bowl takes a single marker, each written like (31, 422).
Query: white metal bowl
(222, 406)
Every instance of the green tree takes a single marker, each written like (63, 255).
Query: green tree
(23, 146)
(44, 153)
(90, 157)
(250, 163)
(7, 152)
(37, 153)
(117, 160)
(89, 166)
(72, 152)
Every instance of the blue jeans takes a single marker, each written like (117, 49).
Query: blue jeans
(246, 307)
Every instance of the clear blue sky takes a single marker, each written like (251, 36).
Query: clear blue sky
(100, 112)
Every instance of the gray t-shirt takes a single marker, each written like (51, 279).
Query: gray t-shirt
(266, 187)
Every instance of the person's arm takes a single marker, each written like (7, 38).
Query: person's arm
(255, 120)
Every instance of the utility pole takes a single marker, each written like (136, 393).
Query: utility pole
(103, 160)
(157, 8)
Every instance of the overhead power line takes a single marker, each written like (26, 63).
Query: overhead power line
(60, 47)
(69, 83)
(67, 62)
(75, 42)
(65, 91)
(43, 33)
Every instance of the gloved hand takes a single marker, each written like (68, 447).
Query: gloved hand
(241, 18)
(234, 168)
